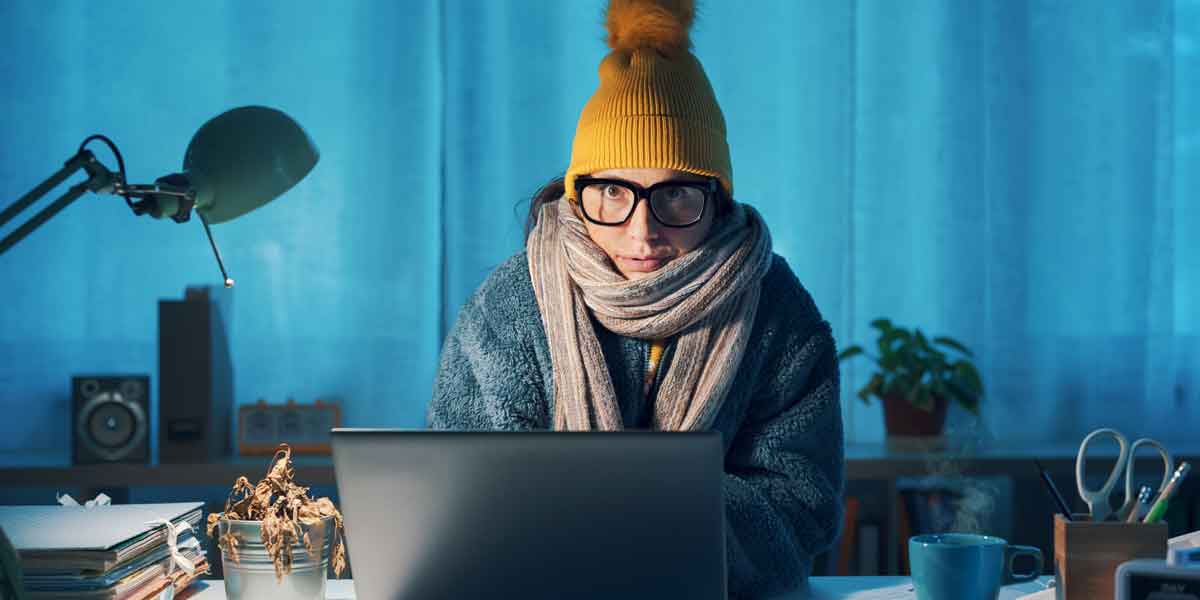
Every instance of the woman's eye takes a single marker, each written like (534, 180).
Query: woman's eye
(612, 191)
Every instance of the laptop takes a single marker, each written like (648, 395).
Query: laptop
(440, 514)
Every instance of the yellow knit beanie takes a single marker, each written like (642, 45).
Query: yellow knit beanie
(655, 107)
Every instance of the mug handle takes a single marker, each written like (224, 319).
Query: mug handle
(1011, 553)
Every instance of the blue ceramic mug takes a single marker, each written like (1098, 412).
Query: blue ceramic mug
(965, 566)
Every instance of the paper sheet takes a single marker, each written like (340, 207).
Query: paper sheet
(1046, 594)
(80, 528)
(902, 591)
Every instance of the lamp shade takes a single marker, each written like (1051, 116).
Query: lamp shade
(244, 158)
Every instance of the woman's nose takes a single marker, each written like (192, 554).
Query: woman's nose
(642, 225)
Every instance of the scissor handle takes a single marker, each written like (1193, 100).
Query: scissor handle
(1130, 495)
(1097, 500)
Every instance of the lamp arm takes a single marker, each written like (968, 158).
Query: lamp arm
(170, 196)
(99, 179)
(72, 165)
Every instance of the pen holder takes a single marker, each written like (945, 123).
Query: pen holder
(1086, 554)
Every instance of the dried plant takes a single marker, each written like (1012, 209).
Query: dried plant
(283, 508)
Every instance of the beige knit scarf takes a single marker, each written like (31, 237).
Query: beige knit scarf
(708, 297)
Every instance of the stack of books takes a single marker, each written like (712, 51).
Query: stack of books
(118, 552)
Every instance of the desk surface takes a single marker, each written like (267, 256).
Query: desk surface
(820, 588)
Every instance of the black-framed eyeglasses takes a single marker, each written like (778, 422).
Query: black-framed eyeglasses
(673, 203)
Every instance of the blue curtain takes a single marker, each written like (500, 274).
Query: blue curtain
(1019, 174)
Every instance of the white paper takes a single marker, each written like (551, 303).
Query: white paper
(339, 589)
(80, 528)
(902, 591)
(1187, 540)
(1046, 594)
(101, 499)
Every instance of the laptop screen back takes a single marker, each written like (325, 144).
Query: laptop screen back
(435, 514)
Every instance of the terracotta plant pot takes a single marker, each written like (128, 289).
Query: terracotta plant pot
(901, 418)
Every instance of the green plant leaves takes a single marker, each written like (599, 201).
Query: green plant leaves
(873, 387)
(921, 341)
(945, 341)
(966, 399)
(966, 372)
(918, 370)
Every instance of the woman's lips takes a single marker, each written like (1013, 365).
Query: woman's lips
(642, 264)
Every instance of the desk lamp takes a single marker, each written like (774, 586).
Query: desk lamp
(236, 162)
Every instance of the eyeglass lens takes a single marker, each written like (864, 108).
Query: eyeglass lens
(611, 203)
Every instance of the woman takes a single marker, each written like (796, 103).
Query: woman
(647, 298)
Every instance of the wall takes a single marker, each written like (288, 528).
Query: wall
(1018, 174)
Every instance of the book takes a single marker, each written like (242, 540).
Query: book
(868, 549)
(76, 538)
(142, 585)
(156, 560)
(849, 531)
(117, 552)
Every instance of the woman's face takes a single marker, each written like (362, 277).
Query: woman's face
(642, 245)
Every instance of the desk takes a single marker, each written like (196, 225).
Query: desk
(872, 462)
(819, 588)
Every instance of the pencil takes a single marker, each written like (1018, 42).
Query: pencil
(1143, 499)
(1058, 499)
(1160, 505)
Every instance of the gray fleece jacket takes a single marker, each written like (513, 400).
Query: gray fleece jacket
(781, 423)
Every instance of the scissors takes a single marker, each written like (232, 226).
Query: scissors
(1097, 500)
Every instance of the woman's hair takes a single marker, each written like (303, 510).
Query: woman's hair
(555, 188)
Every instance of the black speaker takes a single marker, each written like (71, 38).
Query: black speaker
(111, 418)
(195, 376)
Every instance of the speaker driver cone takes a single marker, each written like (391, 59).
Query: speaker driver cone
(110, 426)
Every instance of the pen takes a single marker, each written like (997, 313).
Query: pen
(1160, 505)
(1062, 504)
(1143, 499)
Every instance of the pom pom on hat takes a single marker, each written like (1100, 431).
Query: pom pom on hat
(654, 107)
(661, 25)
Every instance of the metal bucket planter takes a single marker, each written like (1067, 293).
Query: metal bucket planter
(252, 576)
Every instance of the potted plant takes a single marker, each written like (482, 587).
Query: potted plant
(277, 526)
(917, 379)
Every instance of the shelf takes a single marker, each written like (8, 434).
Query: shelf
(909, 458)
(53, 469)
(869, 462)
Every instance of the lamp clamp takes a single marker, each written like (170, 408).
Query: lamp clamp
(169, 196)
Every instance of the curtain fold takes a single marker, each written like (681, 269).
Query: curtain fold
(1018, 174)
